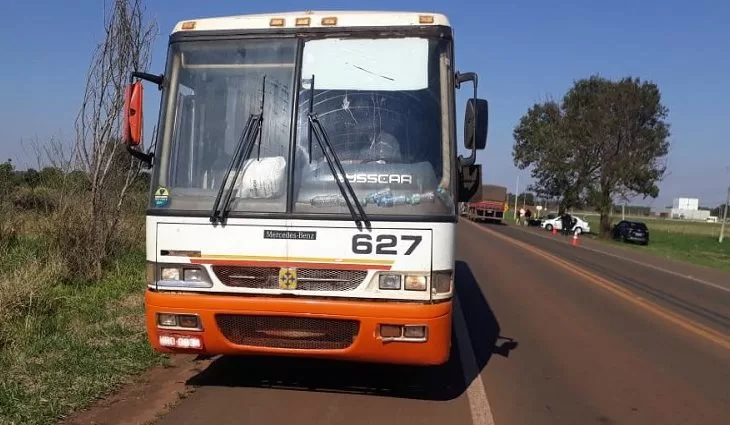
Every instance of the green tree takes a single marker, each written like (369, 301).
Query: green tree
(718, 211)
(51, 177)
(605, 140)
(7, 178)
(32, 178)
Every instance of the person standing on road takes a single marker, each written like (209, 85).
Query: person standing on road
(528, 215)
(521, 218)
(566, 220)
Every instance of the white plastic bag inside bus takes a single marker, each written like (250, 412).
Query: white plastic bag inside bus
(262, 179)
(366, 64)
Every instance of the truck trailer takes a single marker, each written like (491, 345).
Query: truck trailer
(491, 206)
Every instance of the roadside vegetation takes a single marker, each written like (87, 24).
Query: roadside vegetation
(72, 249)
(691, 242)
(69, 332)
(603, 143)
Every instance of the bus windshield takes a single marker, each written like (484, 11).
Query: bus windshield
(384, 103)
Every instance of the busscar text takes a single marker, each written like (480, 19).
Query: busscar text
(381, 178)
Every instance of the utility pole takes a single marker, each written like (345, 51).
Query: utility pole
(623, 211)
(517, 191)
(724, 216)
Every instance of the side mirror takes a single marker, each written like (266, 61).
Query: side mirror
(133, 117)
(476, 122)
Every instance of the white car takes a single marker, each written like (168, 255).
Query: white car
(581, 226)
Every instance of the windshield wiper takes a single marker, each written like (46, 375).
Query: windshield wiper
(243, 151)
(333, 161)
(315, 126)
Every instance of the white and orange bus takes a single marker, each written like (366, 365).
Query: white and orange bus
(305, 182)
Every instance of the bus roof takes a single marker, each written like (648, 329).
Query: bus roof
(317, 19)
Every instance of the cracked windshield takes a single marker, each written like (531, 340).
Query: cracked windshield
(379, 102)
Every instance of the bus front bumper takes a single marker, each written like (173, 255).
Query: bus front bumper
(336, 329)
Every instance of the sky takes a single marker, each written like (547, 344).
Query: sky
(524, 52)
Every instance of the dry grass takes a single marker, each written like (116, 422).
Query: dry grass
(9, 227)
(24, 290)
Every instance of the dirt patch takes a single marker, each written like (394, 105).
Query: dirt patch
(147, 398)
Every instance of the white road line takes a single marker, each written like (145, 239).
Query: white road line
(651, 266)
(481, 412)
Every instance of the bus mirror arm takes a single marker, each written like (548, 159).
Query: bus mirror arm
(146, 158)
(157, 79)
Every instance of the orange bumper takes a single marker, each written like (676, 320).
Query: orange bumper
(366, 345)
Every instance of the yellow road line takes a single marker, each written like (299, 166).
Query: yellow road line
(694, 327)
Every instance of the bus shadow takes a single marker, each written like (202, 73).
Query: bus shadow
(440, 383)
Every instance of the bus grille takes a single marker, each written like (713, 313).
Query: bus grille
(307, 279)
(288, 331)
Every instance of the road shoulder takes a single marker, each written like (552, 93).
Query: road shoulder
(147, 398)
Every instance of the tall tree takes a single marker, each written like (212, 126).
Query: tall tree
(606, 140)
(541, 143)
(125, 47)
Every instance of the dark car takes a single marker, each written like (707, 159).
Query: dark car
(631, 231)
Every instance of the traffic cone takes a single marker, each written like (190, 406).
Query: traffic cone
(555, 232)
(575, 238)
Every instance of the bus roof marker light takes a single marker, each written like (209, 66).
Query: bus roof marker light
(329, 20)
(303, 22)
(425, 19)
(276, 22)
(190, 25)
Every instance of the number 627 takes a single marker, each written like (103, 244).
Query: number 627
(384, 244)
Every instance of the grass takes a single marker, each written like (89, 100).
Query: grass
(65, 344)
(690, 242)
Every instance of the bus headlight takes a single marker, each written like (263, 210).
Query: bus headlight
(389, 281)
(192, 275)
(442, 281)
(170, 273)
(182, 276)
(415, 283)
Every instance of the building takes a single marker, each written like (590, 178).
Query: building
(688, 209)
(690, 204)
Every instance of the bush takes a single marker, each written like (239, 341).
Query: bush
(74, 236)
(40, 199)
(8, 228)
(88, 242)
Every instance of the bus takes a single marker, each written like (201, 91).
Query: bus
(304, 185)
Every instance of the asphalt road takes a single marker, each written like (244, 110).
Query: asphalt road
(552, 334)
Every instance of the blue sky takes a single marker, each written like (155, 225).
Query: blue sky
(523, 51)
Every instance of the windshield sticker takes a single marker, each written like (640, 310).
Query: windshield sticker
(162, 196)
